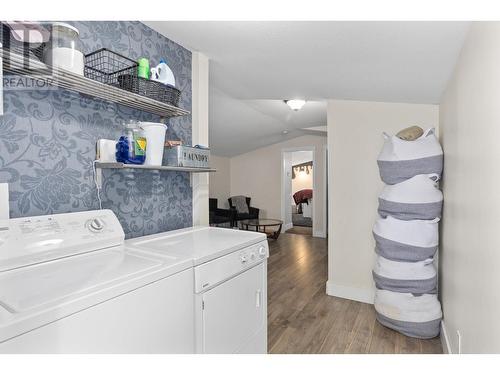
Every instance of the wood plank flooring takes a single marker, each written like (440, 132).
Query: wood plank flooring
(303, 319)
(300, 230)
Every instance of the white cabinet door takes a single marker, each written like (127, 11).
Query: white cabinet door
(234, 313)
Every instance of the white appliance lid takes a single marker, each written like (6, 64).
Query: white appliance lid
(201, 244)
(30, 240)
(61, 280)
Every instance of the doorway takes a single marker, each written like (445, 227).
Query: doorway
(298, 187)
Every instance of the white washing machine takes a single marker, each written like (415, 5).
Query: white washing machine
(69, 285)
(230, 285)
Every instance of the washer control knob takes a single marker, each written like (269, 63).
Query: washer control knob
(96, 225)
(243, 258)
(262, 251)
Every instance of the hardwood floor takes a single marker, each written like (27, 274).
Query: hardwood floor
(300, 230)
(303, 319)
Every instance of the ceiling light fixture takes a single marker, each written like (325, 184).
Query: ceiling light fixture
(295, 104)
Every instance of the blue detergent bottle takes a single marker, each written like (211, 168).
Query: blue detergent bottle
(131, 147)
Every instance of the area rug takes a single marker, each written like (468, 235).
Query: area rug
(301, 221)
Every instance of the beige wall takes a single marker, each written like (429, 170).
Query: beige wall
(302, 180)
(258, 174)
(220, 181)
(354, 140)
(470, 243)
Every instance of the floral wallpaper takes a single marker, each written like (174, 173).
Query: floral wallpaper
(48, 140)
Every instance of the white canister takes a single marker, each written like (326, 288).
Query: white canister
(155, 136)
(64, 48)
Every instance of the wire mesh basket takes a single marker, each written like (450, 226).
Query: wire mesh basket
(106, 66)
(151, 89)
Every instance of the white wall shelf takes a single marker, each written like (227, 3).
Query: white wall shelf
(150, 167)
(101, 165)
(17, 64)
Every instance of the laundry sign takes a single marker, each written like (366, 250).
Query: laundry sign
(185, 156)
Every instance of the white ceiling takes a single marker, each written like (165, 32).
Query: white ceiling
(254, 65)
(238, 126)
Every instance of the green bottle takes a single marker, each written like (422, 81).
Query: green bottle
(143, 70)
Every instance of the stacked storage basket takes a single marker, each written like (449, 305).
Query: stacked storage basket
(406, 235)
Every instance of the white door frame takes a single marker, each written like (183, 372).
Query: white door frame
(286, 200)
(325, 192)
(199, 115)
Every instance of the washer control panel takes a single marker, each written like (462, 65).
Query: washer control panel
(218, 270)
(253, 254)
(36, 239)
(96, 225)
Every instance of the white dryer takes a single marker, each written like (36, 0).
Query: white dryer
(230, 284)
(68, 285)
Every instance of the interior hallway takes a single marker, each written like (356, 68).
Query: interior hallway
(306, 231)
(303, 319)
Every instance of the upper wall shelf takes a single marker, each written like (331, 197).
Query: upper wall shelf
(17, 64)
(116, 165)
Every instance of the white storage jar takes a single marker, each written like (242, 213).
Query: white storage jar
(64, 48)
(155, 137)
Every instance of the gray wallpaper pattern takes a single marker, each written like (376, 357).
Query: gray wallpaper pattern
(47, 143)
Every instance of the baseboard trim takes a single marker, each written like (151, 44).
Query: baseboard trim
(286, 227)
(349, 292)
(319, 234)
(445, 341)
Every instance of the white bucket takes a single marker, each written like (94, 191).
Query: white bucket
(155, 136)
